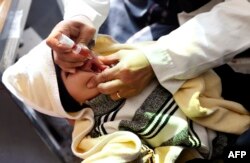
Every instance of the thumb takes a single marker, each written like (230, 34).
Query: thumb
(105, 76)
(86, 36)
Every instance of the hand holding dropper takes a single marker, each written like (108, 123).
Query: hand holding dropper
(76, 48)
(92, 63)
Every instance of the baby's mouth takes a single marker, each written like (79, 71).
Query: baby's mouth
(93, 65)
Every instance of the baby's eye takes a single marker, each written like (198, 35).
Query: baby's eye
(64, 74)
(67, 74)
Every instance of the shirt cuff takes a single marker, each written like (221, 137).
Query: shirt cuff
(163, 66)
(88, 9)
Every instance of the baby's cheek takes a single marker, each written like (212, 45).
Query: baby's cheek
(90, 93)
(75, 90)
(84, 93)
(79, 90)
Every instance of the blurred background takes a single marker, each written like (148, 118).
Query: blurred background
(27, 136)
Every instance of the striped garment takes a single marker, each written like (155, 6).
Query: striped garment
(158, 120)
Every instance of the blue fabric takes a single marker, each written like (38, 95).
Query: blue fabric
(235, 86)
(244, 139)
(127, 17)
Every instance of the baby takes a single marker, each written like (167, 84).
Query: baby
(150, 127)
(153, 116)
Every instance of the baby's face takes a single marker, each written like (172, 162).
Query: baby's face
(76, 83)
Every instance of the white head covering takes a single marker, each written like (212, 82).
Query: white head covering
(32, 79)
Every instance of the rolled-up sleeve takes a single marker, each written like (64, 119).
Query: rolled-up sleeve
(205, 41)
(95, 10)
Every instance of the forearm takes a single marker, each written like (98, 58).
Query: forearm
(96, 11)
(207, 40)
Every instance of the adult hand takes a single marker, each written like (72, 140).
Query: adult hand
(81, 30)
(130, 75)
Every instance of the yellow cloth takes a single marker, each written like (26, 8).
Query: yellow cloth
(110, 147)
(200, 99)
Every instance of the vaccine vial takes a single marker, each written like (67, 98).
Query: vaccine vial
(76, 48)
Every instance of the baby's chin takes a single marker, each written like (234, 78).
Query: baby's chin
(92, 93)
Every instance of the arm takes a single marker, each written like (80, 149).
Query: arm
(205, 41)
(96, 11)
(82, 20)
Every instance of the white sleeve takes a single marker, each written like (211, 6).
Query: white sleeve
(95, 10)
(205, 41)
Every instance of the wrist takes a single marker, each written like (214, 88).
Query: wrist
(83, 19)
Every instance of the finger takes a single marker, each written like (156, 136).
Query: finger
(124, 92)
(86, 35)
(106, 75)
(53, 42)
(68, 59)
(116, 96)
(127, 92)
(68, 66)
(99, 66)
(110, 59)
(87, 66)
(110, 87)
(82, 29)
